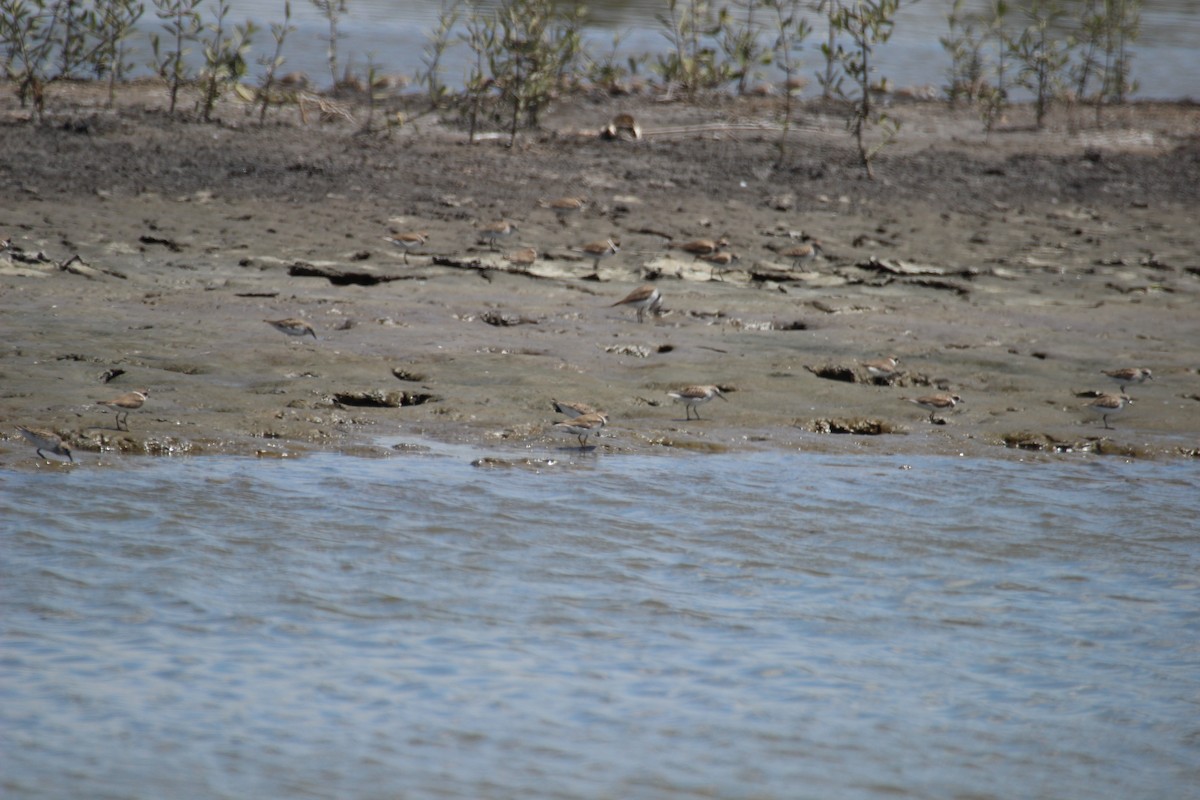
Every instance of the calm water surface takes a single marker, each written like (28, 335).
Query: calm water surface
(770, 625)
(392, 34)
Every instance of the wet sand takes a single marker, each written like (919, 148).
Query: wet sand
(147, 253)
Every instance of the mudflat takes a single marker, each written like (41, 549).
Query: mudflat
(1010, 270)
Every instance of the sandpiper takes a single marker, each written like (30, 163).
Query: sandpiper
(583, 426)
(564, 207)
(600, 250)
(43, 439)
(642, 299)
(882, 368)
(802, 253)
(1106, 405)
(702, 247)
(573, 410)
(292, 327)
(1129, 375)
(719, 261)
(408, 241)
(495, 231)
(692, 396)
(936, 402)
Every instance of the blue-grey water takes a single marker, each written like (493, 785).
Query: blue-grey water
(392, 34)
(769, 625)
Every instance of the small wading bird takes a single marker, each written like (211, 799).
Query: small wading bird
(43, 439)
(719, 261)
(408, 241)
(701, 247)
(583, 426)
(1106, 405)
(123, 404)
(883, 368)
(642, 299)
(495, 231)
(1129, 375)
(802, 253)
(936, 402)
(292, 327)
(573, 410)
(564, 207)
(693, 396)
(600, 250)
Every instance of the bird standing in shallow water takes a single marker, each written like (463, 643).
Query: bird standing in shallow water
(43, 439)
(583, 426)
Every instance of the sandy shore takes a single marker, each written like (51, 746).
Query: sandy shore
(147, 253)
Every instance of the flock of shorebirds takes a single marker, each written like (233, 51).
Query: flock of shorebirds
(582, 420)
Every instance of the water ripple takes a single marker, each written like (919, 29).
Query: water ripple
(771, 626)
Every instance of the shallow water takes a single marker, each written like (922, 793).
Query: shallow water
(393, 33)
(774, 625)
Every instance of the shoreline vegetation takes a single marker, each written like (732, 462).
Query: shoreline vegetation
(523, 54)
(450, 281)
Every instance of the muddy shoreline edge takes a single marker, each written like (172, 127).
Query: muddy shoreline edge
(147, 252)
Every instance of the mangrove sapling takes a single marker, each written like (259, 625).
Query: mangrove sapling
(790, 29)
(224, 57)
(332, 11)
(867, 23)
(37, 34)
(117, 19)
(1123, 23)
(688, 26)
(1043, 55)
(436, 45)
(183, 24)
(739, 40)
(830, 77)
(965, 48)
(279, 32)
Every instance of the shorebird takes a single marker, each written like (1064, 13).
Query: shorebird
(642, 299)
(882, 368)
(1129, 375)
(524, 257)
(599, 250)
(936, 402)
(692, 396)
(43, 439)
(583, 426)
(1106, 405)
(701, 247)
(573, 410)
(719, 261)
(495, 231)
(123, 404)
(292, 327)
(408, 241)
(803, 253)
(564, 207)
